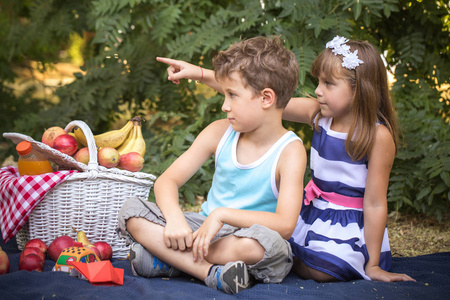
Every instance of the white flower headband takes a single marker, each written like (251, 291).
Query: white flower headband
(350, 59)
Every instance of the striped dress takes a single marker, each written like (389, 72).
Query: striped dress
(329, 235)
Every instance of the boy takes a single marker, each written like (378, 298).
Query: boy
(255, 198)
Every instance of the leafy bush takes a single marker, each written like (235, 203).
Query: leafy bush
(123, 37)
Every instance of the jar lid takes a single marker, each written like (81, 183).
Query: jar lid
(24, 148)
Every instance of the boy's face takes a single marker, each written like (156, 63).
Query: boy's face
(242, 106)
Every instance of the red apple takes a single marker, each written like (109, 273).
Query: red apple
(31, 262)
(32, 250)
(51, 134)
(4, 262)
(108, 157)
(132, 162)
(96, 251)
(82, 155)
(105, 250)
(58, 245)
(66, 144)
(38, 244)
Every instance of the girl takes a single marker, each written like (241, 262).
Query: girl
(341, 232)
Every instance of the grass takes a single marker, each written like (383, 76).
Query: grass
(416, 234)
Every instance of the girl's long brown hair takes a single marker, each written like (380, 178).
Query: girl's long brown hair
(371, 99)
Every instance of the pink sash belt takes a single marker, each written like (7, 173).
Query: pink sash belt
(312, 191)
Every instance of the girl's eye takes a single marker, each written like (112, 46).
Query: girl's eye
(328, 83)
(232, 95)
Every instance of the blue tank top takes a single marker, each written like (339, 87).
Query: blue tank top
(248, 187)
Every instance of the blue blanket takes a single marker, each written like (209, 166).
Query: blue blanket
(432, 273)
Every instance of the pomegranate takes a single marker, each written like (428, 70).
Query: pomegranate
(66, 143)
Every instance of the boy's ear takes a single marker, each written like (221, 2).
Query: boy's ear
(269, 97)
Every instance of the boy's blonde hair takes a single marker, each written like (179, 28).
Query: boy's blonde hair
(371, 99)
(262, 62)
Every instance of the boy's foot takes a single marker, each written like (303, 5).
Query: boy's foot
(143, 263)
(230, 278)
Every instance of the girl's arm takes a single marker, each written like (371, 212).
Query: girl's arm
(381, 159)
(299, 110)
(177, 232)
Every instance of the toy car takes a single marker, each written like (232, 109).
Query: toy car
(78, 254)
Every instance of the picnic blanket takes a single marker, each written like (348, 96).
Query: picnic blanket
(432, 273)
(19, 195)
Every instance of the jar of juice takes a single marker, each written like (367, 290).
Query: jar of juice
(31, 162)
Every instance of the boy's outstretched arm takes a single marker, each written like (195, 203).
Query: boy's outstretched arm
(291, 168)
(179, 69)
(177, 232)
(299, 110)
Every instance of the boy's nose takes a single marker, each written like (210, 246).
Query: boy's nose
(225, 106)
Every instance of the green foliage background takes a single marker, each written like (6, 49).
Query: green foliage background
(121, 39)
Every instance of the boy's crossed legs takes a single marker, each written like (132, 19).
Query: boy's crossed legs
(267, 256)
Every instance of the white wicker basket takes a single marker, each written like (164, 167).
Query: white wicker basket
(89, 200)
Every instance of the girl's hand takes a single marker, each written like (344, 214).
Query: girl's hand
(181, 70)
(178, 235)
(378, 274)
(204, 235)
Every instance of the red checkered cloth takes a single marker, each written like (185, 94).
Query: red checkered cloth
(19, 195)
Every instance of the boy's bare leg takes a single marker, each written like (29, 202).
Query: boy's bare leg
(150, 235)
(234, 248)
(222, 251)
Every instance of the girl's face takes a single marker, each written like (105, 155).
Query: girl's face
(241, 104)
(334, 96)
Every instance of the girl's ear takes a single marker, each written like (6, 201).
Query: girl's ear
(269, 98)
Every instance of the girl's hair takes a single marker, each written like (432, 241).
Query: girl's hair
(262, 62)
(371, 103)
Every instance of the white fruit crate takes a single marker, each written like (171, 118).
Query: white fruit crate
(88, 200)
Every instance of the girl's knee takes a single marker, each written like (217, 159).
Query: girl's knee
(305, 272)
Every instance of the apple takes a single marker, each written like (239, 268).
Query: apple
(108, 157)
(105, 250)
(31, 262)
(4, 262)
(82, 155)
(95, 250)
(38, 244)
(51, 134)
(132, 162)
(58, 245)
(32, 250)
(66, 143)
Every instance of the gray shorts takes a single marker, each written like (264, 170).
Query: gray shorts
(274, 266)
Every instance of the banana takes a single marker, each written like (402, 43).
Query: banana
(79, 135)
(79, 145)
(112, 138)
(139, 145)
(129, 142)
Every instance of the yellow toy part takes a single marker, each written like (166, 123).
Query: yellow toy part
(77, 254)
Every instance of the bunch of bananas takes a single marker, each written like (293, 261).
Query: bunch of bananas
(127, 139)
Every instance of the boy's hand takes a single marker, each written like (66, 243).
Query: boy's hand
(204, 235)
(178, 235)
(181, 70)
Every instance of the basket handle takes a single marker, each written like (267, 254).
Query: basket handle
(93, 163)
